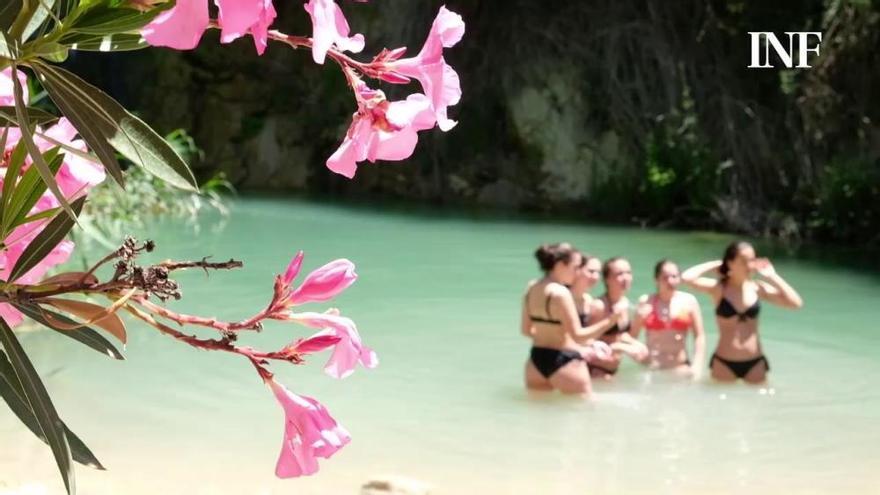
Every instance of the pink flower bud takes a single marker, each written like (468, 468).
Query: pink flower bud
(325, 283)
(293, 269)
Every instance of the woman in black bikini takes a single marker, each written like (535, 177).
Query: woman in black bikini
(586, 277)
(617, 275)
(550, 319)
(737, 300)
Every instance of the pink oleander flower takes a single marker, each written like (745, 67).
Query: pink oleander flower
(381, 130)
(240, 17)
(439, 81)
(316, 343)
(349, 351)
(309, 432)
(77, 175)
(182, 26)
(324, 283)
(329, 28)
(7, 96)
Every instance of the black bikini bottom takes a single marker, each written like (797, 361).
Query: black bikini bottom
(740, 368)
(548, 361)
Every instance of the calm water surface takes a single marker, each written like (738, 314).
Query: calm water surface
(438, 299)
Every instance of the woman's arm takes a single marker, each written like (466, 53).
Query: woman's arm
(525, 326)
(526, 322)
(699, 339)
(696, 278)
(632, 348)
(774, 288)
(642, 310)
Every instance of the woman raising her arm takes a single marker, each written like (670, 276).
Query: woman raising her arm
(737, 299)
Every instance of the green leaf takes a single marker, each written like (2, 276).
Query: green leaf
(40, 403)
(25, 14)
(53, 52)
(43, 10)
(87, 123)
(105, 19)
(36, 156)
(104, 116)
(27, 191)
(16, 159)
(122, 42)
(8, 11)
(12, 393)
(84, 335)
(35, 115)
(45, 241)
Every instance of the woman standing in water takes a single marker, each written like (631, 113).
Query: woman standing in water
(737, 299)
(550, 319)
(586, 277)
(617, 274)
(668, 316)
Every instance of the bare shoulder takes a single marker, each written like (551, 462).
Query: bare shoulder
(557, 290)
(687, 297)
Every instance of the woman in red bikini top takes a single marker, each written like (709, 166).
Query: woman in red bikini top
(668, 316)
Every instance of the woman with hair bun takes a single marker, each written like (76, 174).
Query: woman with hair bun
(737, 297)
(550, 319)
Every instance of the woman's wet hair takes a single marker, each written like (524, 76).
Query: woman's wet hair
(730, 253)
(662, 263)
(550, 254)
(606, 266)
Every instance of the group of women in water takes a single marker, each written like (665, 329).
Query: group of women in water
(577, 337)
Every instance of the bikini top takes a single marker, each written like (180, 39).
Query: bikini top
(541, 319)
(654, 322)
(726, 310)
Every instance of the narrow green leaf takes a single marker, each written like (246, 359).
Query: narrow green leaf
(3, 197)
(40, 403)
(25, 14)
(16, 159)
(88, 123)
(83, 335)
(38, 216)
(128, 134)
(121, 42)
(27, 191)
(53, 52)
(28, 138)
(105, 19)
(8, 11)
(40, 16)
(45, 241)
(12, 393)
(35, 115)
(24, 207)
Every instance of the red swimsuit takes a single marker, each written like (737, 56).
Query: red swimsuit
(654, 322)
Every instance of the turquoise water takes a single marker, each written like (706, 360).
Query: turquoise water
(438, 299)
